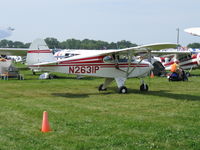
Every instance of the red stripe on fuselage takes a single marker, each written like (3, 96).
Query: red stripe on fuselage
(83, 60)
(192, 63)
(39, 51)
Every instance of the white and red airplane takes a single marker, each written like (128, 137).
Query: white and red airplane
(187, 59)
(117, 65)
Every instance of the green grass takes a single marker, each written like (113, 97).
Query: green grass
(82, 118)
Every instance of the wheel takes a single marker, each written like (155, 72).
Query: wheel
(144, 87)
(187, 74)
(51, 76)
(101, 88)
(123, 90)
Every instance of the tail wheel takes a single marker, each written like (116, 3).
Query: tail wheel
(51, 76)
(123, 90)
(101, 88)
(144, 87)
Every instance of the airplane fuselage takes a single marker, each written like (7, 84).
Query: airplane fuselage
(96, 66)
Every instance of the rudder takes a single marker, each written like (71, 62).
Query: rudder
(39, 52)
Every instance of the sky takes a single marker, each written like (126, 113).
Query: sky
(138, 21)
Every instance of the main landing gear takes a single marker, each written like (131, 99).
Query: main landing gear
(120, 83)
(144, 87)
(101, 88)
(123, 90)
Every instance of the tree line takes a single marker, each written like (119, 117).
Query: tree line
(53, 43)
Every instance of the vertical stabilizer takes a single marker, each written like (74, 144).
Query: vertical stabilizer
(39, 52)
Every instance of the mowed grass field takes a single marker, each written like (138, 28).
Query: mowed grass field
(82, 118)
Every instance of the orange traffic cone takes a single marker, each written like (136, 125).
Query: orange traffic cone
(152, 75)
(45, 123)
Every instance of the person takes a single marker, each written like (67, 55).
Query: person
(174, 66)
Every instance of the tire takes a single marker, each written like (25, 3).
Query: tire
(187, 74)
(101, 88)
(144, 87)
(51, 76)
(123, 90)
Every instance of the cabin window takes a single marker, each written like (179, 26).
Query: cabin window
(122, 58)
(108, 59)
(185, 57)
(70, 55)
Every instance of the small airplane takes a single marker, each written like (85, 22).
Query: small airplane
(187, 58)
(118, 65)
(5, 64)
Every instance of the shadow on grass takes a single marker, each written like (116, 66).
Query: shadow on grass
(168, 94)
(84, 95)
(162, 93)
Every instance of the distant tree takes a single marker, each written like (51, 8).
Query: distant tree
(11, 44)
(18, 44)
(71, 44)
(194, 45)
(27, 45)
(6, 43)
(124, 44)
(52, 42)
(112, 45)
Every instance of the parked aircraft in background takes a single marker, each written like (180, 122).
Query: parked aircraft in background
(5, 64)
(187, 58)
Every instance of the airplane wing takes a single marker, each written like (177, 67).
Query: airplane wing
(155, 47)
(143, 48)
(14, 51)
(193, 31)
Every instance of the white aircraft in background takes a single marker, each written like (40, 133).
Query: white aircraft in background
(5, 64)
(187, 58)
